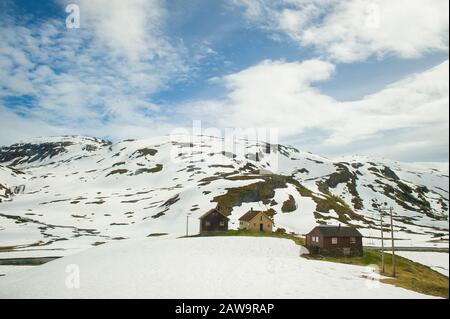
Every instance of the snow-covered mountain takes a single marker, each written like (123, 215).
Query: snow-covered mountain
(72, 192)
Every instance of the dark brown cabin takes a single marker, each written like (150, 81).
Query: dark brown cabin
(335, 241)
(213, 221)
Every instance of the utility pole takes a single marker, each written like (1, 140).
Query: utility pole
(187, 225)
(393, 245)
(382, 241)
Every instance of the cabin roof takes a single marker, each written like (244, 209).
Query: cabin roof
(251, 214)
(338, 231)
(212, 211)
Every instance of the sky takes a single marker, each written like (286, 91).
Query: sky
(366, 77)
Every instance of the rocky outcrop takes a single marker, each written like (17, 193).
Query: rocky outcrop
(5, 193)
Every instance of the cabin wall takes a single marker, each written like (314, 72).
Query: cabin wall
(325, 246)
(244, 225)
(255, 223)
(341, 251)
(213, 223)
(311, 243)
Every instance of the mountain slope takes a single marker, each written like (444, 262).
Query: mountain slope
(79, 191)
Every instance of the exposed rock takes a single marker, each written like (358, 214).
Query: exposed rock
(289, 206)
(343, 175)
(28, 153)
(387, 172)
(118, 171)
(157, 168)
(144, 152)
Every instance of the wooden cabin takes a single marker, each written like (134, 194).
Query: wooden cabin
(213, 221)
(335, 241)
(256, 221)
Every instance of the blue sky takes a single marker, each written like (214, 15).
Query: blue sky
(335, 77)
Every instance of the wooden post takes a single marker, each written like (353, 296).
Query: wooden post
(187, 225)
(382, 241)
(393, 245)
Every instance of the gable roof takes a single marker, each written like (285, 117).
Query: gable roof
(338, 231)
(251, 214)
(212, 211)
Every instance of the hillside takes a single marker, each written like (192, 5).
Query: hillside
(74, 192)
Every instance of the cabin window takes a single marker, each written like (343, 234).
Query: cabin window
(334, 240)
(207, 224)
(222, 223)
(352, 240)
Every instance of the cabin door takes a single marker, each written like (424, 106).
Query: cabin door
(347, 252)
(261, 227)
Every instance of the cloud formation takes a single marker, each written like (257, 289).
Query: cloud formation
(355, 30)
(104, 72)
(282, 94)
(131, 29)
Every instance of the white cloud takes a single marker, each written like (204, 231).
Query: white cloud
(129, 28)
(104, 72)
(266, 93)
(14, 128)
(355, 30)
(282, 95)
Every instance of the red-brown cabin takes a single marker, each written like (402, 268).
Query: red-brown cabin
(213, 221)
(335, 241)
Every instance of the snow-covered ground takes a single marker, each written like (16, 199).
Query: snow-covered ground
(7, 270)
(434, 260)
(231, 267)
